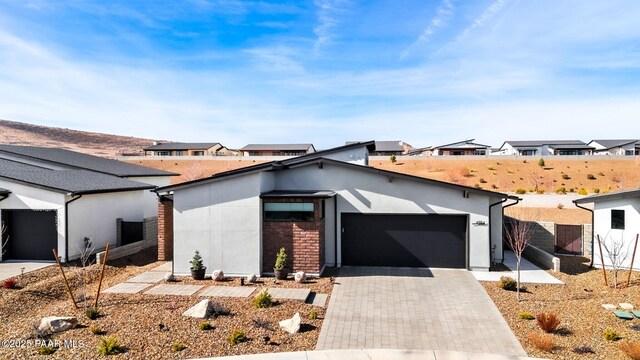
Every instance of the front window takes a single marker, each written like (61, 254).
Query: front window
(163, 153)
(528, 152)
(179, 152)
(617, 219)
(288, 211)
(198, 153)
(629, 152)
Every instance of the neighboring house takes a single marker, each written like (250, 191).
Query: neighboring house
(54, 198)
(329, 209)
(616, 219)
(277, 149)
(388, 148)
(425, 151)
(615, 147)
(544, 148)
(466, 147)
(187, 149)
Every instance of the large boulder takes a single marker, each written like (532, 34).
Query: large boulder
(201, 310)
(217, 275)
(292, 325)
(56, 324)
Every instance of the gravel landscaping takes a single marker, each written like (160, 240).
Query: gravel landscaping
(578, 304)
(148, 326)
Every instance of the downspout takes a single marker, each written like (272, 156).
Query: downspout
(517, 199)
(491, 233)
(335, 228)
(592, 228)
(66, 225)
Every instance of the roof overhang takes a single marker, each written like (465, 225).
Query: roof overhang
(311, 194)
(618, 195)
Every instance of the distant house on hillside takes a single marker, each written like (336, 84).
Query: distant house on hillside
(388, 148)
(615, 147)
(277, 149)
(187, 149)
(466, 147)
(545, 148)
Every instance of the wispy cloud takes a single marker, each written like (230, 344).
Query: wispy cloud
(486, 16)
(443, 15)
(327, 21)
(278, 58)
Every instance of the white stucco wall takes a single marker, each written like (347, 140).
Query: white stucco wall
(602, 227)
(223, 221)
(359, 156)
(150, 199)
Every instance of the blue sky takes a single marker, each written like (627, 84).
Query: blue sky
(324, 71)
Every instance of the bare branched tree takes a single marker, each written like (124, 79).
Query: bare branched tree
(536, 180)
(85, 272)
(4, 242)
(617, 252)
(517, 235)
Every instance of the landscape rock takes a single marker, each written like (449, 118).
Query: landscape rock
(292, 325)
(56, 324)
(252, 278)
(201, 310)
(300, 277)
(169, 277)
(217, 275)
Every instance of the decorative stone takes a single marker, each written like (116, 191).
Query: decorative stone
(169, 277)
(217, 275)
(201, 310)
(626, 306)
(252, 278)
(609, 306)
(300, 277)
(56, 324)
(292, 325)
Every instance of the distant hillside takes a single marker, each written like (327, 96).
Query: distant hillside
(106, 145)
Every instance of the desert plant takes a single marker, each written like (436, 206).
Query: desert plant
(10, 283)
(507, 283)
(482, 181)
(542, 342)
(281, 259)
(561, 190)
(611, 335)
(548, 322)
(262, 324)
(525, 315)
(591, 177)
(204, 326)
(584, 349)
(178, 347)
(560, 206)
(237, 337)
(465, 172)
(616, 252)
(583, 191)
(541, 162)
(263, 300)
(196, 261)
(92, 312)
(601, 174)
(491, 168)
(313, 315)
(393, 159)
(596, 191)
(631, 348)
(109, 346)
(47, 350)
(96, 329)
(521, 191)
(494, 186)
(566, 177)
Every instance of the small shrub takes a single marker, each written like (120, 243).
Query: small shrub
(566, 177)
(393, 159)
(591, 177)
(262, 324)
(465, 172)
(560, 206)
(631, 348)
(109, 346)
(541, 162)
(178, 347)
(584, 349)
(508, 283)
(46, 350)
(92, 313)
(263, 300)
(281, 259)
(548, 322)
(601, 174)
(611, 335)
(204, 326)
(498, 163)
(9, 283)
(525, 315)
(477, 186)
(540, 192)
(482, 181)
(596, 191)
(542, 342)
(571, 190)
(196, 262)
(494, 186)
(313, 315)
(237, 337)
(521, 191)
(491, 168)
(583, 191)
(96, 329)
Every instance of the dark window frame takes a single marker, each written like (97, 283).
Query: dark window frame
(288, 216)
(617, 219)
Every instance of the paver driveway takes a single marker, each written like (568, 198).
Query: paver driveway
(409, 308)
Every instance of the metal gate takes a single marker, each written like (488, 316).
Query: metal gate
(568, 239)
(131, 232)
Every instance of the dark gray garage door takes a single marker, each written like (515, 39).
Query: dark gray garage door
(32, 234)
(404, 240)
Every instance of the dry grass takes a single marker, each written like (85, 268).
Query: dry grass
(548, 322)
(542, 342)
(631, 349)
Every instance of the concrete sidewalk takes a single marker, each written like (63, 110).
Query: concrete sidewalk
(13, 268)
(529, 273)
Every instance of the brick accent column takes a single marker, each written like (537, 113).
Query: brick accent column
(165, 230)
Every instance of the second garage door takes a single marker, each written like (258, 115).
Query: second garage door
(404, 240)
(31, 234)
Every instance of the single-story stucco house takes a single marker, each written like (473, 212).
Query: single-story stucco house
(54, 199)
(616, 218)
(329, 208)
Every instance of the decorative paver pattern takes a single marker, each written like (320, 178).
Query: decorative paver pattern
(228, 291)
(289, 294)
(626, 306)
(148, 277)
(169, 289)
(316, 299)
(165, 268)
(410, 308)
(127, 288)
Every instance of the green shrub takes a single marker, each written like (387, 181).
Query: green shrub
(591, 177)
(572, 190)
(237, 337)
(46, 350)
(109, 346)
(196, 262)
(92, 313)
(178, 347)
(204, 326)
(561, 190)
(263, 300)
(596, 191)
(611, 335)
(540, 191)
(541, 162)
(521, 191)
(313, 315)
(393, 159)
(491, 168)
(482, 181)
(583, 191)
(281, 259)
(96, 329)
(508, 283)
(525, 315)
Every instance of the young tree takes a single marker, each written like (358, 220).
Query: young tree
(517, 235)
(3, 242)
(617, 253)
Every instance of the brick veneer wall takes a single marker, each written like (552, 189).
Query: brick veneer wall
(303, 241)
(165, 230)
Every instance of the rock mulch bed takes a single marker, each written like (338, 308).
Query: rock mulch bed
(578, 304)
(148, 325)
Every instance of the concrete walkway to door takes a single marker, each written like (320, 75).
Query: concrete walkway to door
(14, 268)
(409, 308)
